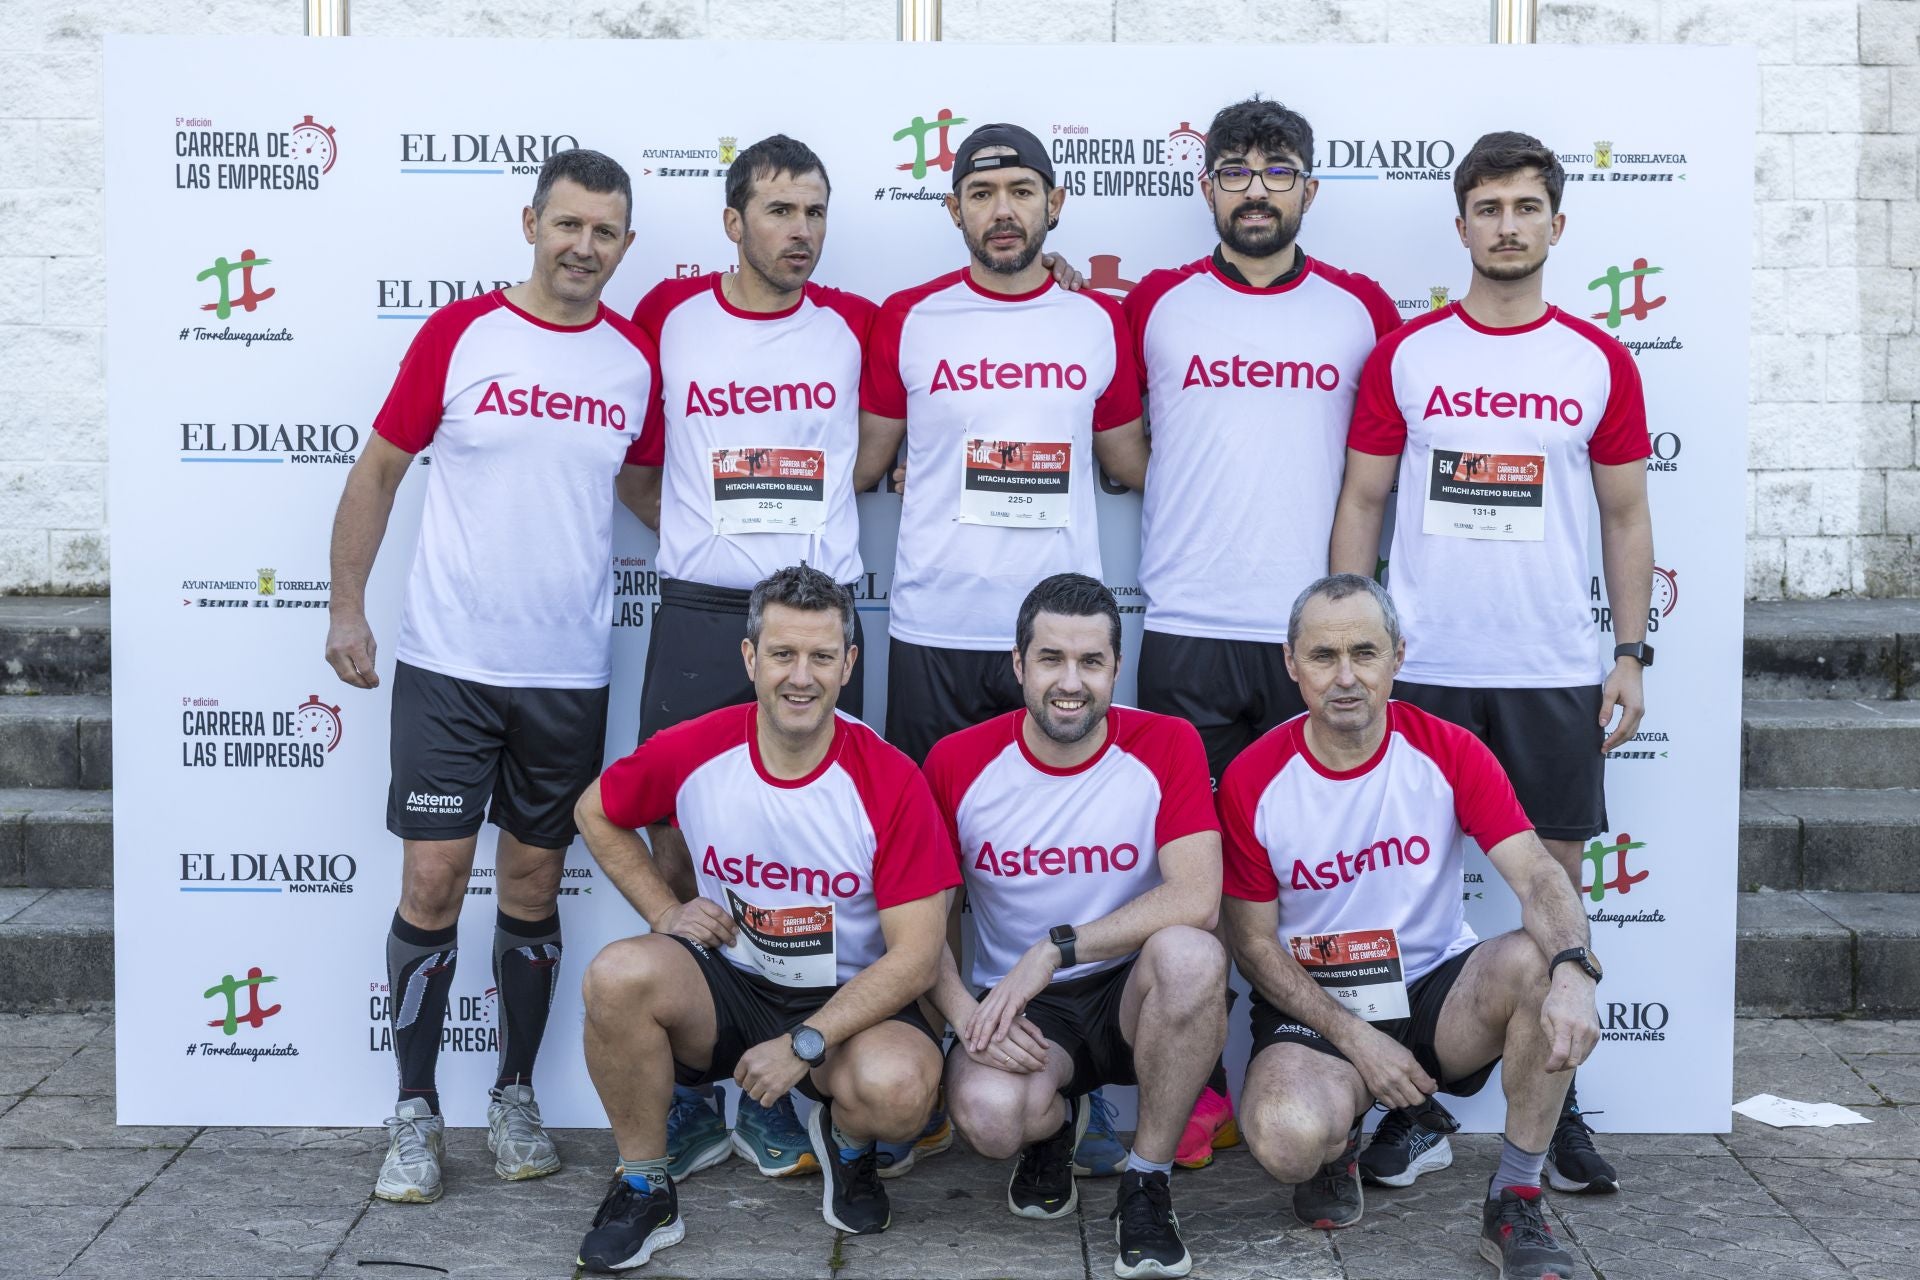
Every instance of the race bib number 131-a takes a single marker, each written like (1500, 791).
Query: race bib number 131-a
(792, 946)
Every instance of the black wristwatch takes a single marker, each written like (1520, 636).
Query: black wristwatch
(809, 1045)
(1580, 956)
(1639, 650)
(1063, 937)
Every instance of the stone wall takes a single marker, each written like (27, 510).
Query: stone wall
(1834, 491)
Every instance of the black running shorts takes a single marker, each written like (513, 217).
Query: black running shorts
(1548, 741)
(1082, 1016)
(1232, 691)
(693, 657)
(748, 1010)
(934, 692)
(523, 756)
(1425, 997)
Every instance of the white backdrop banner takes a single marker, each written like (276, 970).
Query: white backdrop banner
(274, 241)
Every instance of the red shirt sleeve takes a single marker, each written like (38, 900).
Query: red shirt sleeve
(881, 390)
(1483, 799)
(1621, 436)
(1137, 309)
(418, 397)
(1171, 747)
(1119, 404)
(1246, 869)
(643, 787)
(648, 448)
(913, 856)
(944, 783)
(1377, 426)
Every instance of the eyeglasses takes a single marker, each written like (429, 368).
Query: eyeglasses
(1238, 177)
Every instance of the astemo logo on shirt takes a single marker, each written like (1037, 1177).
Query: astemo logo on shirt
(1345, 868)
(1007, 375)
(757, 873)
(1078, 859)
(720, 401)
(1482, 403)
(1242, 372)
(517, 402)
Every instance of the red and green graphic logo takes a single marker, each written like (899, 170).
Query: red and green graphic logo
(1640, 305)
(918, 130)
(229, 988)
(221, 273)
(1598, 856)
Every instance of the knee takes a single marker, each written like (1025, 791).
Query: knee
(618, 978)
(991, 1116)
(1289, 1144)
(893, 1090)
(1186, 959)
(433, 888)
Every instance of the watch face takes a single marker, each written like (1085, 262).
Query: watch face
(808, 1044)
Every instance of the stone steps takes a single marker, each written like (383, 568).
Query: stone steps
(1828, 953)
(56, 948)
(61, 740)
(1833, 840)
(1811, 743)
(53, 644)
(1848, 649)
(56, 839)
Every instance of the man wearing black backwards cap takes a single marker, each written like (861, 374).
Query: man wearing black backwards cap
(1008, 389)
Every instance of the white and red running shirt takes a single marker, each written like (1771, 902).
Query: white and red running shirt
(529, 422)
(1497, 430)
(762, 424)
(1001, 395)
(1366, 850)
(804, 866)
(1251, 392)
(1041, 846)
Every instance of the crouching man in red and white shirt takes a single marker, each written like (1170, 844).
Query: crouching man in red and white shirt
(823, 877)
(1345, 832)
(1092, 861)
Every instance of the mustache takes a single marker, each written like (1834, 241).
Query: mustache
(1258, 207)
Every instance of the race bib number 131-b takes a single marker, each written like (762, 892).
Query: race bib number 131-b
(1487, 495)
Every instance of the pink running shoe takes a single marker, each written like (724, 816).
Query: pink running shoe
(1210, 1128)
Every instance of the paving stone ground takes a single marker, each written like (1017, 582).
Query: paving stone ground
(82, 1197)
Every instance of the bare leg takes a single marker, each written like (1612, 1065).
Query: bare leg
(882, 1082)
(1003, 1111)
(1297, 1107)
(526, 879)
(647, 1005)
(1169, 1013)
(1494, 1010)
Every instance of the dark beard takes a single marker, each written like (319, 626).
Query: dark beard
(1255, 244)
(1020, 262)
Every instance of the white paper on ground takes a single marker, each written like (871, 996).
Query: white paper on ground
(1783, 1113)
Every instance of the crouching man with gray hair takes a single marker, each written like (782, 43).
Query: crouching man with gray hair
(1344, 832)
(823, 869)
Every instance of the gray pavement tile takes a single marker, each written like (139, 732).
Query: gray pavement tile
(1822, 1076)
(50, 1176)
(1891, 1135)
(80, 1124)
(1428, 1230)
(41, 1241)
(1773, 1035)
(1894, 1076)
(950, 1218)
(244, 1241)
(1236, 1220)
(1815, 1191)
(22, 1068)
(1642, 1247)
(14, 901)
(88, 1073)
(207, 1179)
(1675, 1187)
(52, 1030)
(1628, 1146)
(1875, 1250)
(468, 1236)
(368, 1142)
(1866, 1035)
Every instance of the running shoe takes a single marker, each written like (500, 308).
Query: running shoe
(1403, 1148)
(772, 1138)
(521, 1148)
(1042, 1185)
(1147, 1229)
(854, 1201)
(1099, 1154)
(1332, 1198)
(1572, 1163)
(895, 1158)
(1515, 1237)
(631, 1226)
(415, 1138)
(696, 1132)
(1210, 1128)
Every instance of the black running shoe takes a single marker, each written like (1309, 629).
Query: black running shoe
(1403, 1148)
(1331, 1198)
(1042, 1185)
(854, 1199)
(1147, 1229)
(631, 1225)
(1572, 1163)
(1515, 1237)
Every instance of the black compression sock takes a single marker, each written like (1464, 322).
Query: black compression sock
(419, 977)
(526, 968)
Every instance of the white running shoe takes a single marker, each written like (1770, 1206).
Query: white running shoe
(415, 1138)
(521, 1148)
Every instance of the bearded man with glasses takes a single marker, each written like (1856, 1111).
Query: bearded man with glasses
(1249, 359)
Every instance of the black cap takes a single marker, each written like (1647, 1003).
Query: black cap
(1028, 153)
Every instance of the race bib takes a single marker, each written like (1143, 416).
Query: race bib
(1360, 969)
(1016, 484)
(764, 489)
(792, 946)
(1487, 495)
